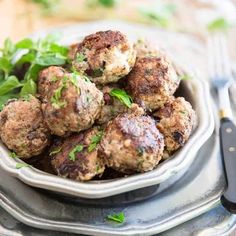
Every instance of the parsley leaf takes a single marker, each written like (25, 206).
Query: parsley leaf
(122, 96)
(13, 155)
(95, 140)
(184, 77)
(56, 98)
(21, 165)
(219, 24)
(9, 84)
(119, 217)
(78, 148)
(80, 57)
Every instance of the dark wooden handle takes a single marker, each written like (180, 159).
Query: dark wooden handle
(228, 150)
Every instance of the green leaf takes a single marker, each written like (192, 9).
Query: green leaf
(184, 77)
(29, 87)
(56, 98)
(13, 155)
(78, 148)
(119, 217)
(9, 48)
(122, 96)
(32, 72)
(11, 83)
(21, 165)
(27, 58)
(5, 98)
(80, 57)
(95, 140)
(59, 49)
(5, 65)
(160, 14)
(50, 60)
(108, 3)
(25, 43)
(219, 24)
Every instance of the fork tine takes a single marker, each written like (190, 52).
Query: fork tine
(218, 56)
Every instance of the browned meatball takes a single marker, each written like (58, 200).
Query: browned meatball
(132, 143)
(152, 82)
(22, 128)
(77, 158)
(73, 103)
(112, 107)
(105, 56)
(176, 122)
(47, 77)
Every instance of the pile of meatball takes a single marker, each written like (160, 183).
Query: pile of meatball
(84, 128)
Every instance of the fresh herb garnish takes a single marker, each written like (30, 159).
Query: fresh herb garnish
(103, 3)
(95, 140)
(80, 57)
(36, 55)
(13, 155)
(72, 154)
(55, 151)
(47, 5)
(184, 77)
(122, 96)
(219, 24)
(160, 15)
(21, 165)
(56, 98)
(119, 217)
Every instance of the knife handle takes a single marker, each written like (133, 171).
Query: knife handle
(228, 151)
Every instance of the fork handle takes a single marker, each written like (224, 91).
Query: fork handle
(228, 151)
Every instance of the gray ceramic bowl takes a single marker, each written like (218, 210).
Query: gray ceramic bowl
(196, 91)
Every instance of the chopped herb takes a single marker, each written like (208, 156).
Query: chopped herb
(13, 155)
(219, 24)
(97, 168)
(80, 57)
(21, 165)
(102, 3)
(78, 148)
(36, 55)
(56, 98)
(160, 15)
(184, 77)
(119, 217)
(140, 151)
(183, 112)
(122, 96)
(55, 151)
(95, 140)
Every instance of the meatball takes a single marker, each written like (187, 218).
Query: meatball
(152, 82)
(176, 121)
(132, 143)
(105, 56)
(22, 128)
(77, 157)
(73, 103)
(112, 107)
(47, 77)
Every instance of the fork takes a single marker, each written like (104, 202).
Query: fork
(221, 77)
